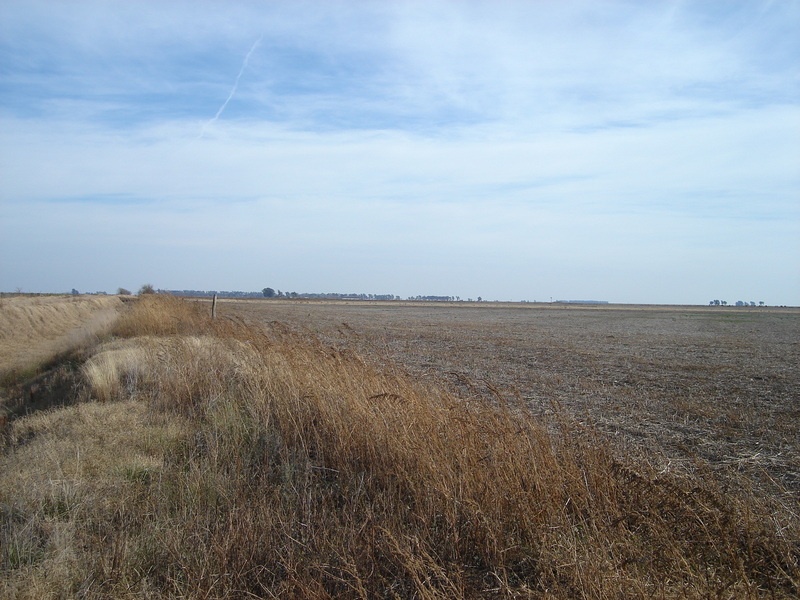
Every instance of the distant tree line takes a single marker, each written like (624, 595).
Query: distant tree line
(209, 293)
(436, 298)
(737, 303)
(269, 292)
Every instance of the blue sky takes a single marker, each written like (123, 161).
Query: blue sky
(613, 150)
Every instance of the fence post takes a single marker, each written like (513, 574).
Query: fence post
(214, 307)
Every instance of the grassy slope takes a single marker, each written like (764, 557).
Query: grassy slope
(34, 329)
(227, 461)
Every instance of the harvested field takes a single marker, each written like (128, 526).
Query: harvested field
(718, 383)
(340, 450)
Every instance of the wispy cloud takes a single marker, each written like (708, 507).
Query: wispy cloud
(234, 88)
(526, 145)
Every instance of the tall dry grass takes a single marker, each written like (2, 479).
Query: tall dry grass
(42, 341)
(295, 470)
(35, 329)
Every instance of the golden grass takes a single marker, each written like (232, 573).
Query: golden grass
(34, 329)
(66, 483)
(236, 462)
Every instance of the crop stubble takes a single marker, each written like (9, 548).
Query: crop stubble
(677, 383)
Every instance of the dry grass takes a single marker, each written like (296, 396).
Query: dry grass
(42, 341)
(680, 383)
(70, 478)
(35, 329)
(233, 461)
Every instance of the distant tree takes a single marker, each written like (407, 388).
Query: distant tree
(761, 303)
(480, 299)
(75, 292)
(147, 288)
(123, 292)
(268, 292)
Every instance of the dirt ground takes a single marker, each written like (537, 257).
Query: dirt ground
(677, 383)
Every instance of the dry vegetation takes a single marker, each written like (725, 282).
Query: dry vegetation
(43, 339)
(237, 459)
(34, 329)
(678, 383)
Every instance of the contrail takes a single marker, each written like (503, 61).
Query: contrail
(235, 85)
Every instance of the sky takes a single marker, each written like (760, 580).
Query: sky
(614, 150)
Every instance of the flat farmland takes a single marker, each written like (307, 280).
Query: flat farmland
(678, 384)
(310, 449)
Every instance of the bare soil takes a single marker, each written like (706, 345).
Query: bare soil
(719, 384)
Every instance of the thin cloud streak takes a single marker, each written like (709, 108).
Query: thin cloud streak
(233, 89)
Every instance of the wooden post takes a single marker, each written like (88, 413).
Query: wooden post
(214, 307)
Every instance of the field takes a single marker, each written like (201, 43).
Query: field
(717, 383)
(294, 449)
